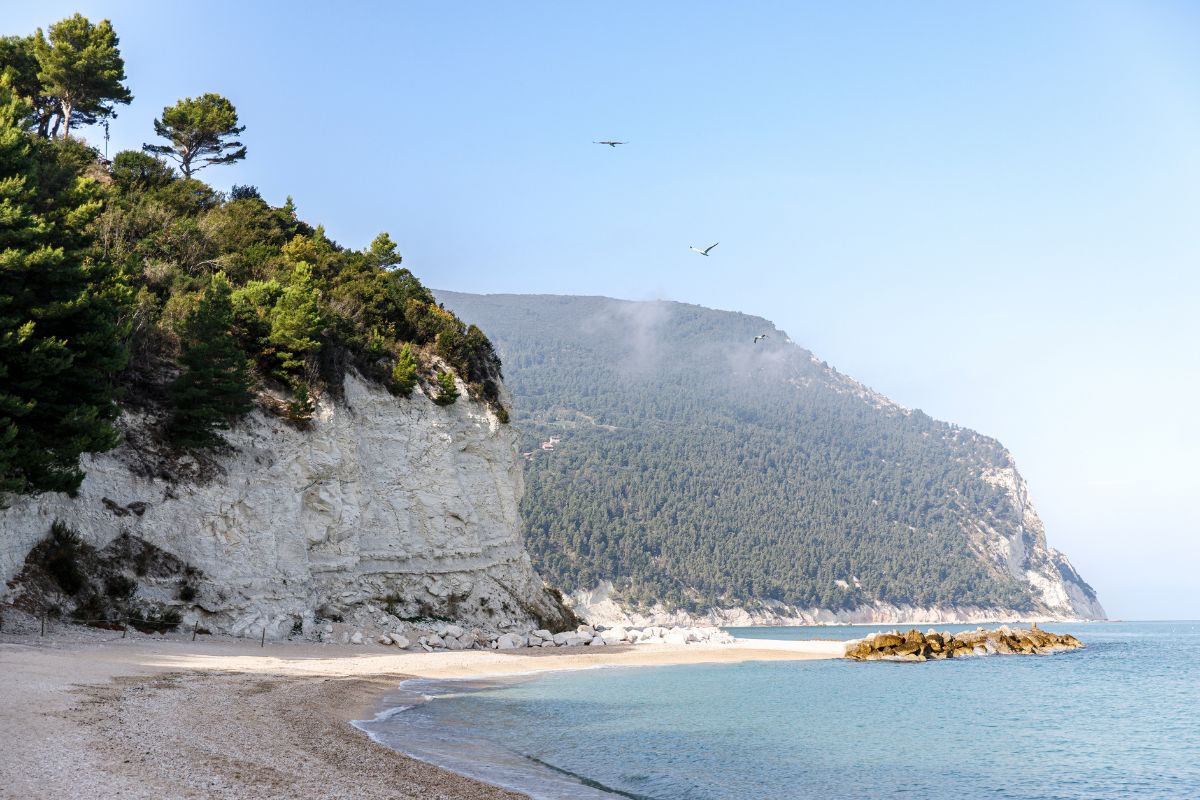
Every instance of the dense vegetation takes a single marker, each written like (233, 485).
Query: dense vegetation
(697, 467)
(127, 283)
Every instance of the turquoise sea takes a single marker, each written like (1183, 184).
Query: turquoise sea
(1120, 719)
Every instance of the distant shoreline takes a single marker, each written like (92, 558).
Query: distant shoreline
(161, 717)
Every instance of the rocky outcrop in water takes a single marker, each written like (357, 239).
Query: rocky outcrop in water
(917, 646)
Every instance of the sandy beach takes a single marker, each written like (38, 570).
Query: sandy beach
(225, 718)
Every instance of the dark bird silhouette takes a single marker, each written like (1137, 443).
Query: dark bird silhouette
(760, 336)
(704, 252)
(610, 142)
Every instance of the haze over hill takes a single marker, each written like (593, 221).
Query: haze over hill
(699, 470)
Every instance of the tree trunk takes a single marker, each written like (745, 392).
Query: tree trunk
(67, 108)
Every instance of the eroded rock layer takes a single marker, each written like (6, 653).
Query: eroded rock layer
(396, 502)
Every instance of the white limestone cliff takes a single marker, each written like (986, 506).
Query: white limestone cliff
(382, 500)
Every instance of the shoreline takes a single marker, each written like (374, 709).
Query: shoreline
(160, 717)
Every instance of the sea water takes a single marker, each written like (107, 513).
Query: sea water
(1119, 719)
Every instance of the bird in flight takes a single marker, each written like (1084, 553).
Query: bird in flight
(610, 142)
(760, 336)
(704, 252)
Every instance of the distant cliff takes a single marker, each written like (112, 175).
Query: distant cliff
(382, 502)
(678, 470)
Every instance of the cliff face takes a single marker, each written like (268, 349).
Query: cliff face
(393, 502)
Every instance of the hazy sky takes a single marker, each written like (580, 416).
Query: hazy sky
(987, 212)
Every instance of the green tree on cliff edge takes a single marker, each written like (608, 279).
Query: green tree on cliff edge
(82, 70)
(214, 386)
(60, 341)
(201, 132)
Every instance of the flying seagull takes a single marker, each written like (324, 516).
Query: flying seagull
(704, 252)
(760, 336)
(610, 142)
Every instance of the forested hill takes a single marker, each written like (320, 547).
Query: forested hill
(696, 468)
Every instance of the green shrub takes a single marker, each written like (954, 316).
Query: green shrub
(447, 389)
(404, 374)
(61, 558)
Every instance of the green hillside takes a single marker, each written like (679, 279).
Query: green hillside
(695, 466)
(125, 283)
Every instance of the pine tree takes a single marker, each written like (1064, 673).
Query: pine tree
(201, 132)
(296, 321)
(60, 340)
(214, 386)
(404, 374)
(82, 69)
(448, 391)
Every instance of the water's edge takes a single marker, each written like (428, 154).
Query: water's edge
(478, 758)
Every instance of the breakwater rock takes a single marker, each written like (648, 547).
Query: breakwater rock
(917, 646)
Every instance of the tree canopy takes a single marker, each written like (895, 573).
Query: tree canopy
(202, 131)
(61, 340)
(80, 67)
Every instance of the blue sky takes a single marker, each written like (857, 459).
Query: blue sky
(985, 211)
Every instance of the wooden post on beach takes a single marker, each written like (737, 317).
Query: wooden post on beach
(125, 630)
(264, 638)
(195, 629)
(43, 624)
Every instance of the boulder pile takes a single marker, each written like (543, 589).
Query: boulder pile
(917, 646)
(446, 636)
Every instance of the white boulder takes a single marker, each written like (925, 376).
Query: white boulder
(510, 641)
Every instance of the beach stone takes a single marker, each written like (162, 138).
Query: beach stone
(452, 631)
(615, 635)
(435, 641)
(400, 641)
(509, 641)
(597, 641)
(675, 638)
(542, 633)
(547, 643)
(384, 639)
(356, 637)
